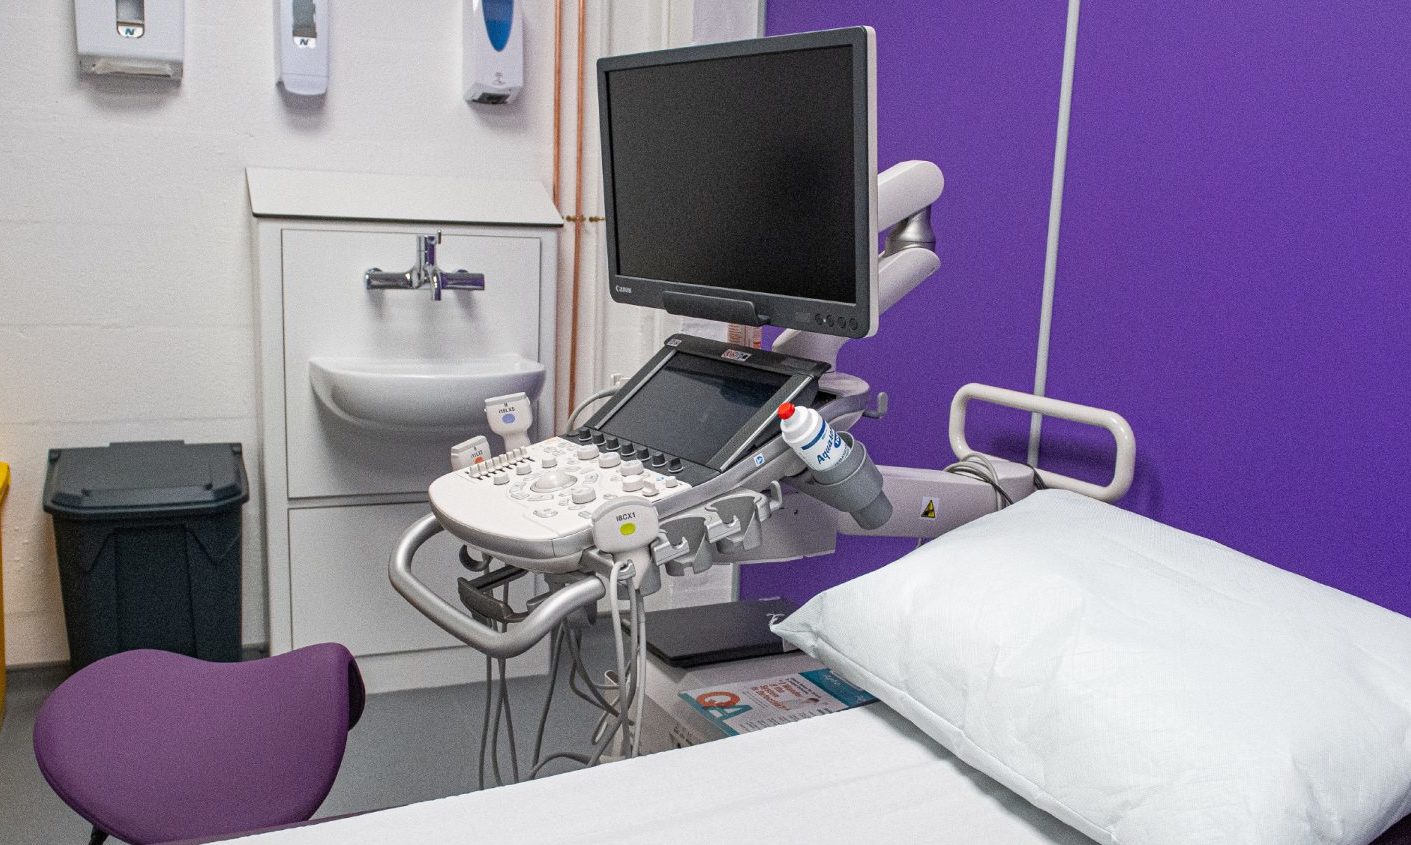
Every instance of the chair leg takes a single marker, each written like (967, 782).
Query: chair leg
(98, 837)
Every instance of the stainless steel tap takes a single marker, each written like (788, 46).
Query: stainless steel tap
(425, 273)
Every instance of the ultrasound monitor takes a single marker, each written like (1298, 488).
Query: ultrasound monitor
(740, 180)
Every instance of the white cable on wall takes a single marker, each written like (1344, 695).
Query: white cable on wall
(1055, 215)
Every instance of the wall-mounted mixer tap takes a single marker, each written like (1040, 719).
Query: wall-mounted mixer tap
(425, 273)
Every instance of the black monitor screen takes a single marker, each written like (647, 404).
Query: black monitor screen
(693, 406)
(738, 172)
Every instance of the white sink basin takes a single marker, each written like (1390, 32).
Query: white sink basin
(420, 394)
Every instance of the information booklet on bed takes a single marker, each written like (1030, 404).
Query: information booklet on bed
(745, 706)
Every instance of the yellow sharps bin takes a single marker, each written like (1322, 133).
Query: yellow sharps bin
(4, 488)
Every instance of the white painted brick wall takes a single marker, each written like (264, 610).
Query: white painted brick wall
(126, 292)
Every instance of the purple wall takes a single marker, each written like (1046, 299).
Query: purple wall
(1234, 274)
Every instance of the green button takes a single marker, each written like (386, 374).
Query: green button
(627, 528)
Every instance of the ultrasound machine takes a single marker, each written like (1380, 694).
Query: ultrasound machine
(741, 186)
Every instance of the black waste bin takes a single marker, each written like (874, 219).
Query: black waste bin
(148, 538)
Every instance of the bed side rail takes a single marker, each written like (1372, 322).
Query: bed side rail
(1121, 431)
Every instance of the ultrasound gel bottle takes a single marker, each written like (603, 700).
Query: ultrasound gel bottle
(811, 437)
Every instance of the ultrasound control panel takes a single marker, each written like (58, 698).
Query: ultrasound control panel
(695, 410)
(548, 489)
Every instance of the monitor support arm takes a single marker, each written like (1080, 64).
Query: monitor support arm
(905, 193)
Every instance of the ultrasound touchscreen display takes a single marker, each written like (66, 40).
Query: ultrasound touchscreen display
(693, 406)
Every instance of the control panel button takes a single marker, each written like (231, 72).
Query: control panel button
(586, 453)
(611, 442)
(609, 460)
(657, 459)
(599, 438)
(632, 468)
(548, 462)
(583, 495)
(631, 483)
(553, 480)
(649, 490)
(670, 481)
(674, 465)
(502, 479)
(545, 513)
(523, 469)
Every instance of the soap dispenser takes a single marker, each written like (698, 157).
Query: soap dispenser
(493, 61)
(301, 45)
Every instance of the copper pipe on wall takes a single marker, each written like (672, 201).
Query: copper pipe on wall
(558, 94)
(578, 217)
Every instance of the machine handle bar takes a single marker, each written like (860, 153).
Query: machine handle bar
(501, 644)
(1121, 431)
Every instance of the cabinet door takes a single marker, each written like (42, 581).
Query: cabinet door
(328, 313)
(338, 579)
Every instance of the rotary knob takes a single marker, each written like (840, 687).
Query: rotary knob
(583, 495)
(523, 469)
(551, 481)
(609, 460)
(586, 453)
(632, 483)
(548, 462)
(632, 468)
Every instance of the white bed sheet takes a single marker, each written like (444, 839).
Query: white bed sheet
(863, 775)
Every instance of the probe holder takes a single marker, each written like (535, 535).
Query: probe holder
(689, 533)
(740, 517)
(731, 523)
(853, 486)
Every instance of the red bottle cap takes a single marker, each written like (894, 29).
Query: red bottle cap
(786, 410)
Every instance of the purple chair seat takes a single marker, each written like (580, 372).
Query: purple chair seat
(151, 746)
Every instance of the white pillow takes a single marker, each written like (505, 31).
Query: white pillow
(1140, 683)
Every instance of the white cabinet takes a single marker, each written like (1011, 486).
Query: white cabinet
(341, 482)
(338, 579)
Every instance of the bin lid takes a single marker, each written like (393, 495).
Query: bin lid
(148, 478)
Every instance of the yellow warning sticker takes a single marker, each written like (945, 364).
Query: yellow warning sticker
(928, 507)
